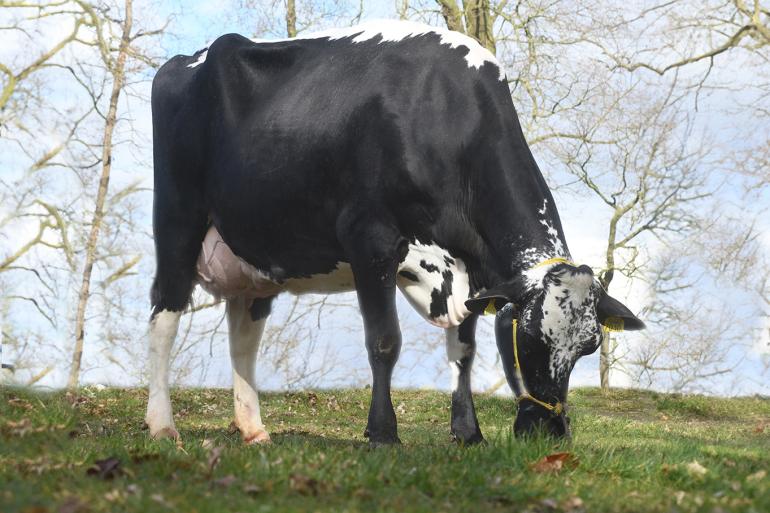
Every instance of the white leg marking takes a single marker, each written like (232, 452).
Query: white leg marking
(245, 336)
(455, 351)
(159, 416)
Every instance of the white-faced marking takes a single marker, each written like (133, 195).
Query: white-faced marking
(569, 318)
(391, 31)
(435, 283)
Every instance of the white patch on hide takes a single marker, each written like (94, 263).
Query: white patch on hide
(392, 31)
(433, 269)
(200, 60)
(340, 279)
(429, 264)
(455, 366)
(569, 318)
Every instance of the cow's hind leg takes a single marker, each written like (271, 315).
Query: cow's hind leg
(375, 252)
(179, 225)
(159, 417)
(461, 349)
(246, 322)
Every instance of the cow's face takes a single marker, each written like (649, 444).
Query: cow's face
(559, 315)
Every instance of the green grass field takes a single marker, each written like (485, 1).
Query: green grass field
(631, 451)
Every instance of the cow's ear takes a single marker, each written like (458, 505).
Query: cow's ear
(493, 299)
(615, 316)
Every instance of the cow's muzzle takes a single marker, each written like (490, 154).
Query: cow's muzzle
(532, 419)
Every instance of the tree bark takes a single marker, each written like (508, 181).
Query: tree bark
(117, 69)
(291, 18)
(452, 15)
(479, 23)
(604, 352)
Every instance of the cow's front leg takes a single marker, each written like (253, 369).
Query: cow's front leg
(159, 417)
(374, 257)
(461, 348)
(246, 322)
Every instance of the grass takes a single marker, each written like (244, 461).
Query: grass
(635, 451)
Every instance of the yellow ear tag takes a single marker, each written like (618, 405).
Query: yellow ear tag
(613, 324)
(490, 309)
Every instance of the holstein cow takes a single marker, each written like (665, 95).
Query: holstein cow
(379, 156)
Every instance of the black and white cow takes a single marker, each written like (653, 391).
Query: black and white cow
(387, 155)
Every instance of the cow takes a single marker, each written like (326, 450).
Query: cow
(379, 157)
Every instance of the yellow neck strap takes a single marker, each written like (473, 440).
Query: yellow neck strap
(549, 261)
(557, 407)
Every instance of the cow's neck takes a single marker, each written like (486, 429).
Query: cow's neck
(523, 224)
(541, 240)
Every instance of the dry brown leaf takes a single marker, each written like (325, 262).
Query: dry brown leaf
(226, 482)
(107, 468)
(213, 460)
(554, 462)
(756, 476)
(304, 485)
(72, 505)
(572, 503)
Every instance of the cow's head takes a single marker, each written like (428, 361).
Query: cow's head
(546, 320)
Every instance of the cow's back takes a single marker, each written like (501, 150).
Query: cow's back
(283, 138)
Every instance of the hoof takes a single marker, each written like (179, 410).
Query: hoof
(384, 443)
(166, 432)
(468, 439)
(257, 438)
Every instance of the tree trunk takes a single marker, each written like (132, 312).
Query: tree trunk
(604, 362)
(117, 69)
(291, 18)
(604, 353)
(452, 15)
(479, 23)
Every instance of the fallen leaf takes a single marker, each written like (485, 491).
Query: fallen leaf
(333, 404)
(303, 485)
(572, 503)
(252, 489)
(549, 503)
(161, 500)
(679, 497)
(760, 428)
(401, 408)
(214, 456)
(35, 509)
(226, 482)
(113, 495)
(105, 469)
(554, 462)
(695, 469)
(756, 476)
(72, 505)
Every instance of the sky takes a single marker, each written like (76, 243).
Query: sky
(340, 337)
